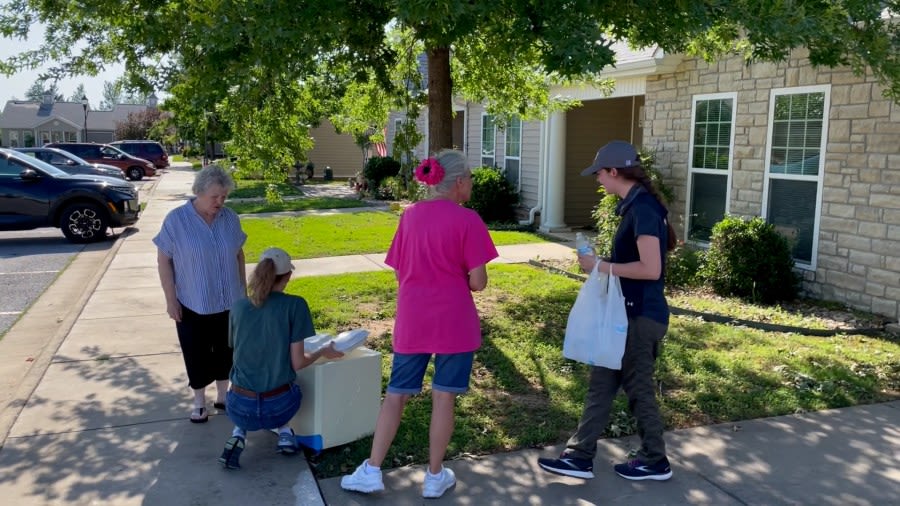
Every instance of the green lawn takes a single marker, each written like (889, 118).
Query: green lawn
(304, 204)
(254, 188)
(338, 234)
(524, 394)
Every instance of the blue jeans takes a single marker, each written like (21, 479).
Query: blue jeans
(251, 414)
(451, 372)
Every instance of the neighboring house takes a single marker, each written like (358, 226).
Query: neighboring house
(27, 123)
(338, 151)
(814, 151)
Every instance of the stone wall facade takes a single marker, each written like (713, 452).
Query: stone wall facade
(858, 259)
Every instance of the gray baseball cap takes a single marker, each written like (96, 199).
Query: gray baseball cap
(615, 155)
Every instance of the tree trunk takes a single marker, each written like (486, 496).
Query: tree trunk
(440, 95)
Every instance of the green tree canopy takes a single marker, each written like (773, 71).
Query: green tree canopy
(39, 88)
(243, 50)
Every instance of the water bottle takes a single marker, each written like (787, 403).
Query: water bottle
(583, 245)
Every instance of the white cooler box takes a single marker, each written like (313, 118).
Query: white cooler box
(341, 399)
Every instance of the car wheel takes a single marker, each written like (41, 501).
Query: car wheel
(84, 222)
(135, 173)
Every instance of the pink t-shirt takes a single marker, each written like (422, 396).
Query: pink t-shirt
(436, 245)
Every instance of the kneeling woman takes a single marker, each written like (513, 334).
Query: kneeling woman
(267, 330)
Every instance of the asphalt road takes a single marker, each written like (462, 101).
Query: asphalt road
(31, 259)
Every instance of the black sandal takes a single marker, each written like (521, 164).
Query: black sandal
(219, 405)
(199, 415)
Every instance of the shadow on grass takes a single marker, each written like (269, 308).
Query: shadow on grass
(525, 394)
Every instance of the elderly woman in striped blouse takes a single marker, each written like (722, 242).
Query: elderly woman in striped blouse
(201, 267)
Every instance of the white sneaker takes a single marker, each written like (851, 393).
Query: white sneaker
(362, 480)
(435, 486)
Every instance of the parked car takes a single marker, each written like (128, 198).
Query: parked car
(133, 167)
(148, 150)
(71, 164)
(35, 194)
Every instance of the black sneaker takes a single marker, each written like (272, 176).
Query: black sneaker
(567, 465)
(638, 470)
(231, 455)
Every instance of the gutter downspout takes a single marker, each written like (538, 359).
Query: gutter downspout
(542, 175)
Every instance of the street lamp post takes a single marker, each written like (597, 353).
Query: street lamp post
(84, 105)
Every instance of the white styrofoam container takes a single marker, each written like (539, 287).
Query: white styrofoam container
(341, 399)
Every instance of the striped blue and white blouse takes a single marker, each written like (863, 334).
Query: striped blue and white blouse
(207, 279)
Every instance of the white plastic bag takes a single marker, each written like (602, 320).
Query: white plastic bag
(598, 325)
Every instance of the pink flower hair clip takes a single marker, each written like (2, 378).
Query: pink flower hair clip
(430, 171)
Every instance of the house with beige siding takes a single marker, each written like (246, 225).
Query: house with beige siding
(338, 151)
(815, 151)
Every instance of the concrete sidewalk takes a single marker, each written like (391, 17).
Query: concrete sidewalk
(100, 417)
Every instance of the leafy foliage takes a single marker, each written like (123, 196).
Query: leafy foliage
(379, 168)
(750, 259)
(139, 124)
(39, 88)
(683, 266)
(507, 53)
(493, 196)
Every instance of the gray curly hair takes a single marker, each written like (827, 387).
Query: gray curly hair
(209, 176)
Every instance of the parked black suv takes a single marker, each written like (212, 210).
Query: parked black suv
(148, 150)
(35, 194)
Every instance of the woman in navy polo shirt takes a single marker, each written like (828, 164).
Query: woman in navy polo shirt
(639, 259)
(201, 267)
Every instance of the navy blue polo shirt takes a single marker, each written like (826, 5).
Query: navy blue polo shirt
(642, 214)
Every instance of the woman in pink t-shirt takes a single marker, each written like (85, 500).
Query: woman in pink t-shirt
(439, 254)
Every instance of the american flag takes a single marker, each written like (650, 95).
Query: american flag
(381, 149)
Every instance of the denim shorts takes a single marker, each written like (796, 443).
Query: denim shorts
(257, 414)
(451, 372)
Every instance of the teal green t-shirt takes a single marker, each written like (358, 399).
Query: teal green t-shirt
(261, 338)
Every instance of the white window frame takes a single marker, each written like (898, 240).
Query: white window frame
(481, 156)
(699, 170)
(819, 179)
(517, 158)
(398, 123)
(14, 139)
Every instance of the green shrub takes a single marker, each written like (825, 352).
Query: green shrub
(683, 266)
(604, 214)
(391, 188)
(493, 196)
(378, 168)
(751, 260)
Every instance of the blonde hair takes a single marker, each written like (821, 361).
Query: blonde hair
(262, 279)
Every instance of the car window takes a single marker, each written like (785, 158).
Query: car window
(55, 159)
(16, 166)
(7, 168)
(112, 151)
(65, 155)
